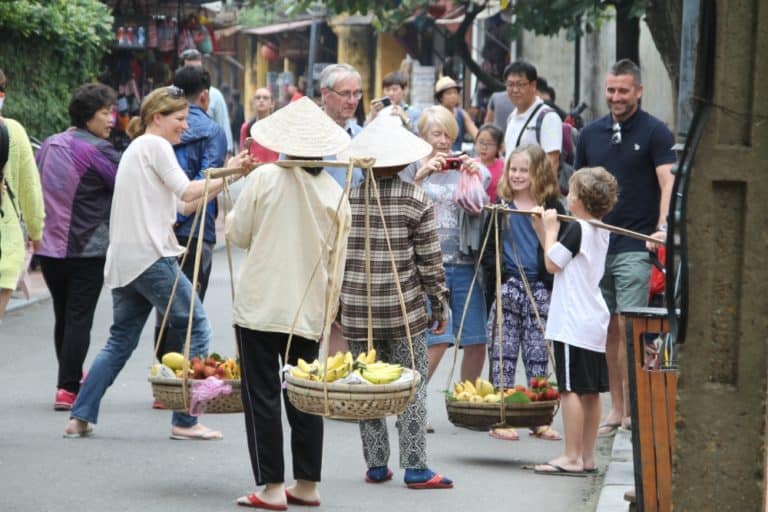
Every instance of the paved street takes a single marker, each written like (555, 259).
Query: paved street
(131, 464)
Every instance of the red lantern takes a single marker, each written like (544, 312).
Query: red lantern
(269, 53)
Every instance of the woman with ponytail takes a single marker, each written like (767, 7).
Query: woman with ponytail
(141, 263)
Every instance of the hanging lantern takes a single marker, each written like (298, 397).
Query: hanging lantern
(269, 52)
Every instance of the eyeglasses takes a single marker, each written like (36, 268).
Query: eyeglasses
(517, 85)
(175, 92)
(616, 136)
(486, 144)
(349, 94)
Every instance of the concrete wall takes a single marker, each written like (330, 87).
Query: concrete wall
(554, 60)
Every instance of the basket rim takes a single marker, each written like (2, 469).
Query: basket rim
(167, 381)
(541, 404)
(352, 388)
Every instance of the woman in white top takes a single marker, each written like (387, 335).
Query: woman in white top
(141, 263)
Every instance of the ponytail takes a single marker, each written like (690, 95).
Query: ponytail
(135, 127)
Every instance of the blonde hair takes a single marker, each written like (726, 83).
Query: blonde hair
(440, 116)
(544, 187)
(596, 188)
(164, 100)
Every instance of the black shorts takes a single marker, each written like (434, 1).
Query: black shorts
(579, 370)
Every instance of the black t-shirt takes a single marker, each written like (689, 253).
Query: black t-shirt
(646, 143)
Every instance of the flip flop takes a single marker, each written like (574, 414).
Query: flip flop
(293, 500)
(591, 471)
(88, 432)
(374, 476)
(558, 471)
(206, 435)
(436, 482)
(253, 501)
(546, 433)
(611, 429)
(505, 434)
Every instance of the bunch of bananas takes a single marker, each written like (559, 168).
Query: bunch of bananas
(338, 367)
(342, 364)
(479, 391)
(380, 373)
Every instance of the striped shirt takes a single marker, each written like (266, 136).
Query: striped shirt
(410, 222)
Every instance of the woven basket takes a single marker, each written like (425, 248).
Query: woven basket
(351, 401)
(169, 393)
(482, 415)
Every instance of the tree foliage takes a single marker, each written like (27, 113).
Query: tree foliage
(50, 47)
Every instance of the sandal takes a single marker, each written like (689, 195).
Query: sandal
(607, 429)
(505, 434)
(426, 479)
(547, 433)
(378, 475)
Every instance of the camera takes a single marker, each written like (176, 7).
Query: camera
(385, 101)
(452, 162)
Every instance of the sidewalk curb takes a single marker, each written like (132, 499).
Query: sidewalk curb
(17, 304)
(619, 476)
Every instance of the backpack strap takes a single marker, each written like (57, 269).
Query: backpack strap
(527, 122)
(540, 120)
(4, 148)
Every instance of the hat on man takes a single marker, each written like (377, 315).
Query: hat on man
(388, 141)
(300, 129)
(444, 84)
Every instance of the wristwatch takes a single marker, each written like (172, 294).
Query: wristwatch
(663, 228)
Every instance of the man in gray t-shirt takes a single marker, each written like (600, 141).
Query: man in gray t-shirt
(499, 108)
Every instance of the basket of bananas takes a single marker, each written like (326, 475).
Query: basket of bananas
(352, 389)
(221, 395)
(479, 405)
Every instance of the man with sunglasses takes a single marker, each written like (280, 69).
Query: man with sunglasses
(217, 107)
(636, 148)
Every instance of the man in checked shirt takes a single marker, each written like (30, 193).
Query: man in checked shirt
(412, 230)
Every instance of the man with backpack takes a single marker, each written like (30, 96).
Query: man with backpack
(534, 122)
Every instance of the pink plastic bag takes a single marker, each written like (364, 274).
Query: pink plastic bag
(470, 194)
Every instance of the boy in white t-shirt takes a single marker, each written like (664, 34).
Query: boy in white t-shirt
(578, 316)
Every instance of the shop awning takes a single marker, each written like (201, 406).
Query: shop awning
(278, 27)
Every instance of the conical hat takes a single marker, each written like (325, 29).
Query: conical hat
(388, 141)
(300, 128)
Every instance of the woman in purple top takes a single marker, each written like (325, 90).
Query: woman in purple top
(77, 172)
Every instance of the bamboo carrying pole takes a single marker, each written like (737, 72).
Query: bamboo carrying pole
(571, 218)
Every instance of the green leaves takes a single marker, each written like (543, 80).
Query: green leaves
(58, 45)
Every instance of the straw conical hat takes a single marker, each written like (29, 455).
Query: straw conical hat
(300, 128)
(388, 141)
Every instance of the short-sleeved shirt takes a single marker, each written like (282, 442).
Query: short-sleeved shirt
(551, 136)
(578, 314)
(502, 106)
(646, 143)
(149, 180)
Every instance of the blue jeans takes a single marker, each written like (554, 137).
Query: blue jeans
(131, 306)
(457, 279)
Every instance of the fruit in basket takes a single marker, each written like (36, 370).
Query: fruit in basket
(173, 360)
(381, 373)
(160, 370)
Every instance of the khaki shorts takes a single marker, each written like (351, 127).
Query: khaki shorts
(627, 280)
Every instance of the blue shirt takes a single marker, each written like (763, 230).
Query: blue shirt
(203, 145)
(526, 244)
(460, 135)
(646, 143)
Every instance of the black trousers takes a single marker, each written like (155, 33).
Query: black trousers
(174, 335)
(75, 285)
(260, 362)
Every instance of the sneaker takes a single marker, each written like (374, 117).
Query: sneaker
(64, 400)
